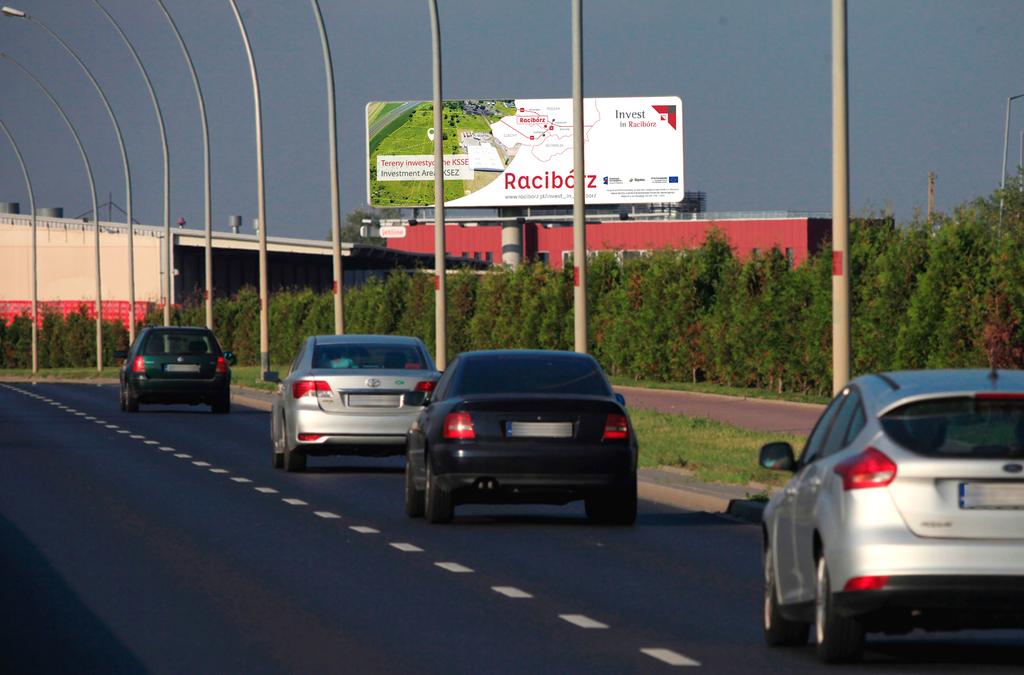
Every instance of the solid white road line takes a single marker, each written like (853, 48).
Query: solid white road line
(454, 567)
(670, 657)
(219, 471)
(266, 490)
(363, 529)
(294, 502)
(408, 548)
(511, 592)
(326, 514)
(582, 621)
(239, 479)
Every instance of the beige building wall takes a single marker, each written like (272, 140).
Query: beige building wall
(66, 259)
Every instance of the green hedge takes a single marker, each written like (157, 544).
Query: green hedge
(948, 293)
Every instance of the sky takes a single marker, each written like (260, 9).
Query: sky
(928, 83)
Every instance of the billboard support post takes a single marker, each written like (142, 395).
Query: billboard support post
(440, 308)
(579, 232)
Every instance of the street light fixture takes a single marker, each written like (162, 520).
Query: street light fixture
(207, 212)
(168, 271)
(332, 138)
(92, 195)
(261, 202)
(32, 264)
(1006, 142)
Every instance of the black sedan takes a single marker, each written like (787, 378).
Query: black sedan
(511, 426)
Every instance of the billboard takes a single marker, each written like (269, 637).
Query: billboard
(509, 153)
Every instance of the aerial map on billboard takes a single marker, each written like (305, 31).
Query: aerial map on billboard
(520, 152)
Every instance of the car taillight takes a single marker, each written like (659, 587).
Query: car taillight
(866, 583)
(868, 469)
(459, 425)
(318, 388)
(222, 366)
(310, 437)
(426, 385)
(138, 365)
(616, 428)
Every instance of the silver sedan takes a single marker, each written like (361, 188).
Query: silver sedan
(905, 511)
(350, 395)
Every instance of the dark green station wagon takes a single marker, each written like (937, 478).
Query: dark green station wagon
(176, 365)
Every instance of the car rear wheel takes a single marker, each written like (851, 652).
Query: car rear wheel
(617, 508)
(294, 462)
(222, 404)
(414, 499)
(131, 401)
(439, 507)
(778, 630)
(277, 440)
(838, 638)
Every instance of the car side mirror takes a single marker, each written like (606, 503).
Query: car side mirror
(777, 456)
(120, 354)
(271, 376)
(230, 358)
(621, 399)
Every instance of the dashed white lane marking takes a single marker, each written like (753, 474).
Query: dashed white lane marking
(201, 463)
(266, 490)
(90, 418)
(407, 547)
(182, 455)
(454, 567)
(137, 437)
(326, 514)
(582, 621)
(166, 448)
(219, 471)
(670, 657)
(240, 479)
(363, 529)
(511, 592)
(123, 431)
(112, 426)
(81, 414)
(294, 502)
(152, 442)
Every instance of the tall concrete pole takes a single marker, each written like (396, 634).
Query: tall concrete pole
(95, 211)
(332, 142)
(440, 285)
(579, 202)
(168, 263)
(840, 205)
(207, 209)
(33, 270)
(260, 198)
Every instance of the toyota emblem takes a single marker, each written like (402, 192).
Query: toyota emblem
(372, 382)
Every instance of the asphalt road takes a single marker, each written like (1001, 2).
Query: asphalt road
(164, 542)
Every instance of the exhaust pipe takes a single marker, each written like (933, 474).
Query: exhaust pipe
(486, 484)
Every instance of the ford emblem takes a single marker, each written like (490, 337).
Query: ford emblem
(372, 382)
(1013, 468)
(181, 359)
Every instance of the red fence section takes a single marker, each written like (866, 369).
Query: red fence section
(113, 310)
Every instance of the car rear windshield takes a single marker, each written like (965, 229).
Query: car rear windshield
(960, 427)
(529, 374)
(177, 343)
(368, 355)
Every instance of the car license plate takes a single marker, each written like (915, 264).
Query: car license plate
(181, 368)
(539, 429)
(374, 400)
(992, 495)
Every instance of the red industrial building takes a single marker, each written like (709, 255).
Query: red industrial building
(796, 236)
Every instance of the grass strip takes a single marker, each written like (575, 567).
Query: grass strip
(715, 452)
(60, 373)
(724, 390)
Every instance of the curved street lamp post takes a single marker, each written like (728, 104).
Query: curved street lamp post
(17, 13)
(32, 264)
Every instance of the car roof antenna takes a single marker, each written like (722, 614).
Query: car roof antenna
(993, 375)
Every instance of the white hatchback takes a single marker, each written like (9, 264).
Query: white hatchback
(905, 510)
